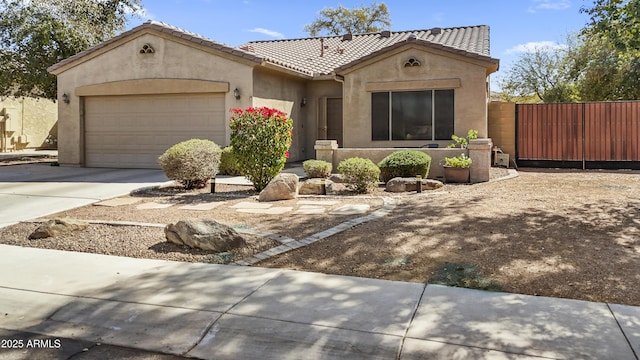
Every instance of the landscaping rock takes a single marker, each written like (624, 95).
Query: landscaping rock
(336, 178)
(282, 187)
(409, 184)
(57, 227)
(314, 187)
(204, 234)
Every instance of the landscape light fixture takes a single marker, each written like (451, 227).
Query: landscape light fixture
(236, 93)
(65, 98)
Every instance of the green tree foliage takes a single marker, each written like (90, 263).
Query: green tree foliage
(37, 34)
(260, 138)
(606, 65)
(340, 20)
(540, 73)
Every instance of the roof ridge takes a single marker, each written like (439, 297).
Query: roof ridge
(362, 34)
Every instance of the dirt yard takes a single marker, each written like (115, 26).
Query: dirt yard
(559, 233)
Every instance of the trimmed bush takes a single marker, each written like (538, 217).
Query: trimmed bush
(404, 163)
(359, 174)
(317, 168)
(260, 138)
(191, 163)
(229, 162)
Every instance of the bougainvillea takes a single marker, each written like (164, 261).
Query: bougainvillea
(260, 138)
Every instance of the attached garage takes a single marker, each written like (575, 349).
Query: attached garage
(131, 131)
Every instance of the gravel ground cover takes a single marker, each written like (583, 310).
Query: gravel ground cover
(560, 233)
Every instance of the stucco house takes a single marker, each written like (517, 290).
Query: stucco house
(125, 101)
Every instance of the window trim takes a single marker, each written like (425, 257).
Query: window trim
(390, 113)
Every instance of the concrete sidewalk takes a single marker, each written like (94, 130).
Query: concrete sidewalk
(232, 312)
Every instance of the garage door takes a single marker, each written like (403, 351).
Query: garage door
(132, 131)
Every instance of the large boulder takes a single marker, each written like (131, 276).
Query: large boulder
(400, 184)
(314, 187)
(204, 234)
(57, 227)
(282, 187)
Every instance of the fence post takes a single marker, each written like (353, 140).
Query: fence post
(480, 154)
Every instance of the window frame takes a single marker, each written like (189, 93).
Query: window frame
(376, 127)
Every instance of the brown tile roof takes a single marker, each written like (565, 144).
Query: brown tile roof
(323, 55)
(167, 29)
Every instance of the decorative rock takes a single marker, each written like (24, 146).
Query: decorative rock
(203, 234)
(336, 178)
(314, 187)
(409, 184)
(57, 227)
(282, 187)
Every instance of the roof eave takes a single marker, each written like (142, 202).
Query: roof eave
(147, 27)
(491, 62)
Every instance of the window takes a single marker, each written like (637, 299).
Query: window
(412, 115)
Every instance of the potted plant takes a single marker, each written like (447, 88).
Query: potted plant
(456, 169)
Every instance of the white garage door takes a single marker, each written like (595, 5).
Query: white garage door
(132, 131)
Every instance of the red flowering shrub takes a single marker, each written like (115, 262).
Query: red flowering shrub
(260, 138)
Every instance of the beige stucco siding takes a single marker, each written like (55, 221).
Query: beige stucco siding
(284, 93)
(437, 70)
(172, 59)
(31, 121)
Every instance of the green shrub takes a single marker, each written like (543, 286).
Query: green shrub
(191, 163)
(359, 174)
(260, 138)
(317, 168)
(463, 142)
(404, 163)
(460, 161)
(229, 162)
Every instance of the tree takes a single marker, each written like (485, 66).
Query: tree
(618, 21)
(541, 74)
(37, 34)
(607, 63)
(340, 20)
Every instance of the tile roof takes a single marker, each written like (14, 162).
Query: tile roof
(323, 55)
(165, 28)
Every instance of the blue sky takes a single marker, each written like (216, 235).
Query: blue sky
(516, 25)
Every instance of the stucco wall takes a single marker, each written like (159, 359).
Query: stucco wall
(439, 69)
(502, 126)
(172, 59)
(284, 93)
(35, 118)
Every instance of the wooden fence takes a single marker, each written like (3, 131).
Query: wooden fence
(578, 132)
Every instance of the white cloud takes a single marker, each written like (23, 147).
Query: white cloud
(268, 32)
(535, 46)
(549, 5)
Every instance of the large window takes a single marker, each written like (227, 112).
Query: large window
(412, 115)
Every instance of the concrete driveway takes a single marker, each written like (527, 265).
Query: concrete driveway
(35, 190)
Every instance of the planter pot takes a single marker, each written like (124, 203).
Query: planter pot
(456, 174)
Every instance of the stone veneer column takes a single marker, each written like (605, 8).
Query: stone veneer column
(324, 150)
(480, 154)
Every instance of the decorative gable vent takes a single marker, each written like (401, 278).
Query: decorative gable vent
(147, 49)
(411, 62)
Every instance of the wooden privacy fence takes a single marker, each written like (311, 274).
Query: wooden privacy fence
(578, 132)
